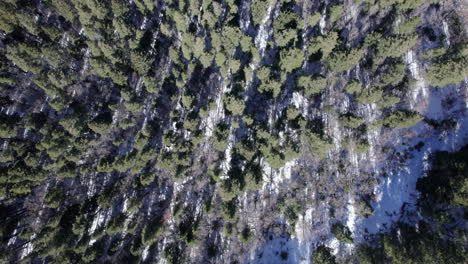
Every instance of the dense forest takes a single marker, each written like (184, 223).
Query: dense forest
(229, 131)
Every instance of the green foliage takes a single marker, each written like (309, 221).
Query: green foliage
(335, 13)
(152, 231)
(353, 87)
(276, 153)
(234, 104)
(140, 62)
(342, 233)
(7, 20)
(409, 25)
(322, 255)
(372, 39)
(325, 44)
(7, 80)
(101, 123)
(119, 7)
(291, 59)
(389, 101)
(173, 253)
(286, 27)
(395, 46)
(271, 87)
(246, 235)
(446, 72)
(430, 54)
(292, 113)
(25, 57)
(230, 38)
(364, 208)
(253, 176)
(116, 224)
(108, 195)
(147, 178)
(259, 10)
(411, 4)
(393, 76)
(220, 59)
(220, 136)
(105, 70)
(312, 85)
(406, 244)
(402, 119)
(446, 182)
(344, 60)
(74, 124)
(187, 230)
(206, 59)
(54, 197)
(370, 96)
(7, 130)
(351, 121)
(317, 144)
(314, 19)
(362, 146)
(187, 101)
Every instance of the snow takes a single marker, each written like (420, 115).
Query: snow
(215, 114)
(419, 91)
(262, 36)
(28, 249)
(300, 102)
(447, 33)
(226, 164)
(12, 240)
(144, 255)
(279, 176)
(351, 221)
(125, 205)
(322, 22)
(271, 252)
(334, 245)
(398, 188)
(97, 221)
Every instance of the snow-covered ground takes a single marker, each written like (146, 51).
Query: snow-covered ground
(399, 187)
(396, 190)
(275, 249)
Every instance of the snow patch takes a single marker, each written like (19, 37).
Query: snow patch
(398, 188)
(420, 87)
(351, 222)
(144, 255)
(28, 249)
(322, 22)
(263, 32)
(447, 33)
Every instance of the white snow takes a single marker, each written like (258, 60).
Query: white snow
(27, 250)
(125, 205)
(334, 245)
(276, 178)
(12, 240)
(271, 252)
(322, 22)
(351, 221)
(398, 188)
(226, 164)
(263, 32)
(97, 221)
(215, 114)
(419, 91)
(300, 102)
(447, 33)
(144, 255)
